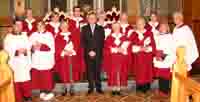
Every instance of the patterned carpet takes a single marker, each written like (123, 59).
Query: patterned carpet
(107, 97)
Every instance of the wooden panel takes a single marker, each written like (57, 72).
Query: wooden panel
(19, 7)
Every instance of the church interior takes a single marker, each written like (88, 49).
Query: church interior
(184, 86)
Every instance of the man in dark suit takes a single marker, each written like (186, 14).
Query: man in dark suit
(92, 40)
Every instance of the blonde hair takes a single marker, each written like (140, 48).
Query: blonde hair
(178, 14)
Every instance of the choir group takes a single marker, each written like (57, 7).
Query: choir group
(147, 50)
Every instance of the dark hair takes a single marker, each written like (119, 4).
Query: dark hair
(55, 14)
(17, 19)
(75, 7)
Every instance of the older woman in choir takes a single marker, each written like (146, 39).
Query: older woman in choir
(116, 45)
(184, 37)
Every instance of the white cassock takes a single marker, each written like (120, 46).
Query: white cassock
(184, 37)
(43, 60)
(165, 43)
(20, 64)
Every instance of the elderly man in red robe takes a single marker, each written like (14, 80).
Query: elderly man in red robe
(143, 49)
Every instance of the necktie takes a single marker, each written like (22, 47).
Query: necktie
(92, 28)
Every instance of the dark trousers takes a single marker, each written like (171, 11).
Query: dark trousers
(164, 85)
(143, 88)
(94, 74)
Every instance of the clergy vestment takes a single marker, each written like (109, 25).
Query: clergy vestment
(29, 26)
(53, 27)
(67, 65)
(42, 60)
(7, 93)
(127, 29)
(143, 59)
(184, 37)
(80, 22)
(117, 70)
(164, 59)
(20, 62)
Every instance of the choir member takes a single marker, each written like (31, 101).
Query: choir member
(67, 58)
(43, 49)
(48, 15)
(164, 58)
(153, 24)
(54, 24)
(117, 46)
(143, 49)
(18, 47)
(184, 37)
(7, 93)
(80, 21)
(30, 23)
(126, 28)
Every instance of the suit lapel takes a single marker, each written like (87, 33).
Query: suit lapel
(90, 30)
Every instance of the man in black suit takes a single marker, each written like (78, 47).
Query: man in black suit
(92, 40)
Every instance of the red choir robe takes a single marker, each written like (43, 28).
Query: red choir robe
(165, 55)
(127, 29)
(152, 26)
(29, 26)
(143, 60)
(53, 28)
(42, 60)
(80, 21)
(68, 41)
(116, 69)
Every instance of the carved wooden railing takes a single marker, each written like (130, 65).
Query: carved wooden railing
(182, 86)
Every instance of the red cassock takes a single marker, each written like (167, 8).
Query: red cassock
(53, 28)
(127, 29)
(149, 26)
(116, 62)
(29, 26)
(79, 21)
(64, 62)
(143, 59)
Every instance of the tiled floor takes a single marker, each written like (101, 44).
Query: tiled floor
(107, 97)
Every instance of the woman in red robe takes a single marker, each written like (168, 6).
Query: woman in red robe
(30, 23)
(68, 57)
(116, 45)
(54, 24)
(143, 49)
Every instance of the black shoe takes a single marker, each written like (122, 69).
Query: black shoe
(65, 92)
(90, 91)
(118, 93)
(100, 92)
(113, 93)
(28, 99)
(71, 91)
